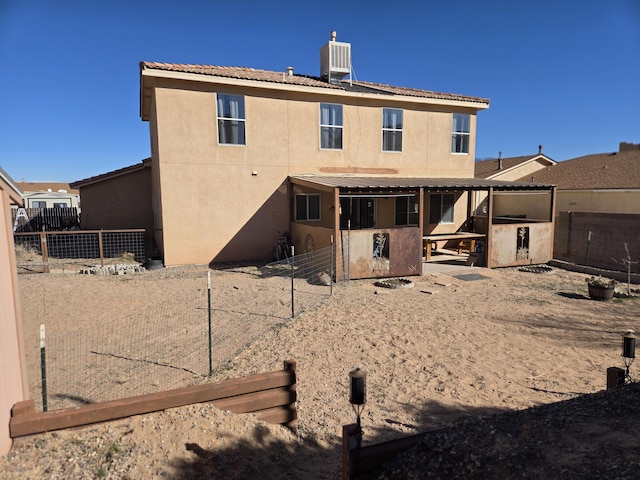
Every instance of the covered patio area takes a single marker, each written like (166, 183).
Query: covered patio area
(390, 227)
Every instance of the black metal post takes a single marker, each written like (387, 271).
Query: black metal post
(43, 369)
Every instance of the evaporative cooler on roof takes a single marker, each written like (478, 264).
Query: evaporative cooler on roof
(335, 60)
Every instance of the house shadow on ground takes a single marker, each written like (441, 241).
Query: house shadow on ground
(264, 456)
(590, 436)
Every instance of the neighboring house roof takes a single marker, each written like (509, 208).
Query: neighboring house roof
(378, 184)
(14, 190)
(617, 170)
(290, 79)
(146, 163)
(495, 167)
(29, 187)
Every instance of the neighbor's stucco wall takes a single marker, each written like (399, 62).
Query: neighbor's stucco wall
(13, 381)
(227, 202)
(535, 205)
(522, 172)
(598, 201)
(118, 203)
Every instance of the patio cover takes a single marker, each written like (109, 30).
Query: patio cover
(381, 185)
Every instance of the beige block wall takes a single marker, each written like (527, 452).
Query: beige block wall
(215, 209)
(13, 382)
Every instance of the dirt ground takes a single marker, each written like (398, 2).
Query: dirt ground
(450, 348)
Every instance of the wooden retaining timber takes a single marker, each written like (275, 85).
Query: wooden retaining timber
(360, 461)
(271, 396)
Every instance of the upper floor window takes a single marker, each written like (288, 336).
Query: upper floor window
(391, 130)
(231, 119)
(441, 208)
(460, 133)
(330, 126)
(307, 206)
(407, 210)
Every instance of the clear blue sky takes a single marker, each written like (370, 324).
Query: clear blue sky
(561, 73)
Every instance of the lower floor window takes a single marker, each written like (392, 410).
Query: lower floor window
(360, 211)
(441, 208)
(407, 210)
(307, 206)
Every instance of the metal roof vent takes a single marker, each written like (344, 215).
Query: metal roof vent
(335, 60)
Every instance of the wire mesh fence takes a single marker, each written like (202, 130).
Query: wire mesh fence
(46, 251)
(181, 339)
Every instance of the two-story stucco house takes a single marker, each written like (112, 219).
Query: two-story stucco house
(241, 157)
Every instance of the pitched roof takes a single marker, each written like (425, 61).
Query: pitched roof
(245, 73)
(491, 167)
(46, 187)
(14, 192)
(112, 174)
(617, 170)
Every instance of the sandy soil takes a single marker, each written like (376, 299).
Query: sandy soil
(447, 348)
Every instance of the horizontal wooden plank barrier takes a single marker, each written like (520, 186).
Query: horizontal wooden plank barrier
(364, 460)
(271, 396)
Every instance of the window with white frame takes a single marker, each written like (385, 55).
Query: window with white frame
(331, 126)
(231, 119)
(391, 130)
(60, 205)
(407, 210)
(307, 206)
(441, 208)
(39, 204)
(460, 133)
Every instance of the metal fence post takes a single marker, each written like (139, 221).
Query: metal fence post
(293, 310)
(209, 314)
(43, 369)
(100, 248)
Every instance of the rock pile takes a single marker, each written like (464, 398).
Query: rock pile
(118, 269)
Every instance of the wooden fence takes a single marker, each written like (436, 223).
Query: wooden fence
(272, 396)
(41, 219)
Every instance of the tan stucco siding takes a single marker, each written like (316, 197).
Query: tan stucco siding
(535, 206)
(121, 202)
(13, 380)
(523, 172)
(230, 202)
(459, 214)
